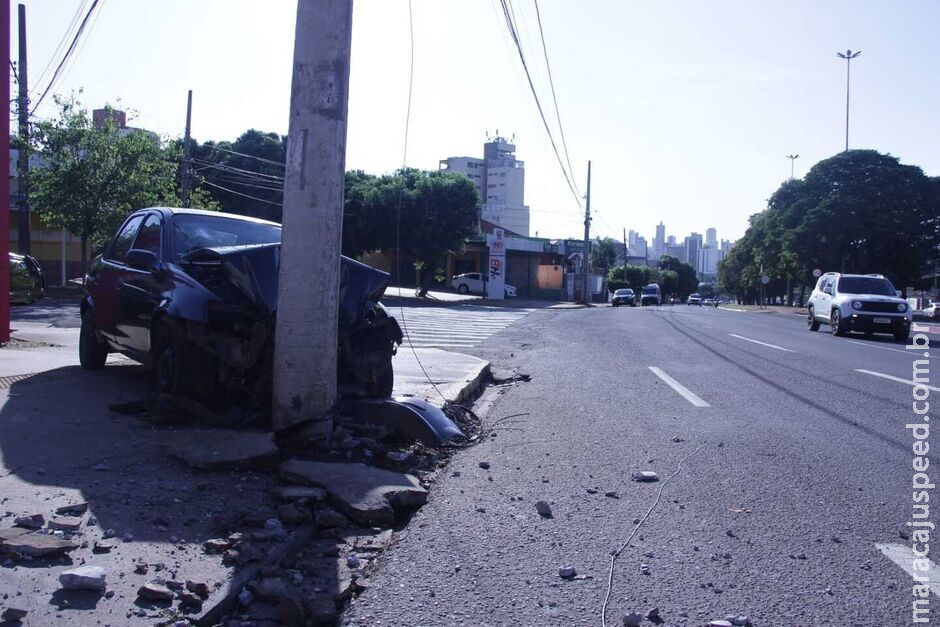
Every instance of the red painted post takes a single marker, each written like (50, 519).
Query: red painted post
(5, 174)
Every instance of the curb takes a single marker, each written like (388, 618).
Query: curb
(473, 386)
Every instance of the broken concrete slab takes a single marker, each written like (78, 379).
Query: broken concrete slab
(75, 509)
(155, 592)
(224, 449)
(26, 542)
(70, 524)
(366, 494)
(299, 493)
(31, 521)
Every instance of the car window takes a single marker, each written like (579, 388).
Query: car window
(193, 231)
(122, 243)
(865, 285)
(148, 238)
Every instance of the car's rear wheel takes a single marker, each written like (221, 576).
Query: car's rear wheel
(168, 363)
(92, 353)
(811, 320)
(463, 288)
(835, 321)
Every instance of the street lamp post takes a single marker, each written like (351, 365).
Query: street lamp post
(792, 158)
(848, 56)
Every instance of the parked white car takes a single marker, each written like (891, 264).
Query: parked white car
(472, 283)
(858, 302)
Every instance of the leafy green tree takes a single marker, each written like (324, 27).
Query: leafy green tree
(686, 281)
(603, 253)
(92, 177)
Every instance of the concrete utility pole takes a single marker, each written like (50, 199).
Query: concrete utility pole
(22, 164)
(308, 296)
(626, 253)
(5, 167)
(848, 56)
(585, 257)
(792, 158)
(186, 178)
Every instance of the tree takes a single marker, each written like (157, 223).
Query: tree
(636, 277)
(438, 212)
(92, 177)
(686, 281)
(603, 253)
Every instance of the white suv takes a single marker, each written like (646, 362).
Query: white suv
(858, 302)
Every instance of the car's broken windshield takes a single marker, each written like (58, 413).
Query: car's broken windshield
(192, 232)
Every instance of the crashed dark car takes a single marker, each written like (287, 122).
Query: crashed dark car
(193, 294)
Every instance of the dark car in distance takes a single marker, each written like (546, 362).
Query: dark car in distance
(193, 294)
(27, 284)
(624, 296)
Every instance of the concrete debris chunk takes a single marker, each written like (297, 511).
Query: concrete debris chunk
(155, 592)
(485, 465)
(632, 619)
(64, 524)
(299, 493)
(740, 620)
(32, 543)
(75, 509)
(83, 578)
(567, 572)
(652, 614)
(645, 475)
(216, 545)
(190, 599)
(31, 521)
(199, 588)
(544, 509)
(365, 494)
(103, 546)
(224, 449)
(719, 623)
(13, 614)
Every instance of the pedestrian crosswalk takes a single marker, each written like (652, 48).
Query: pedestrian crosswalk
(453, 327)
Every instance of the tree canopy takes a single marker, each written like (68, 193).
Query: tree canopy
(92, 177)
(603, 253)
(860, 212)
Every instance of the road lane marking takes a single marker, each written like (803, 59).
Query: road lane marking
(904, 557)
(898, 379)
(685, 392)
(884, 348)
(747, 339)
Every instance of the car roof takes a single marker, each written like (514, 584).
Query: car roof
(168, 211)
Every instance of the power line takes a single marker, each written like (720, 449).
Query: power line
(242, 154)
(230, 168)
(65, 38)
(551, 82)
(68, 54)
(243, 183)
(232, 191)
(515, 38)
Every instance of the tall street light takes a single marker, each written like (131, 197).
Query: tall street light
(792, 158)
(848, 56)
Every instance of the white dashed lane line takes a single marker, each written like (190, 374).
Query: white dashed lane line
(683, 391)
(747, 339)
(904, 557)
(898, 379)
(913, 353)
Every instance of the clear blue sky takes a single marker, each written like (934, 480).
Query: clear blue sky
(686, 108)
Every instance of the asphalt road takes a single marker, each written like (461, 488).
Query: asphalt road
(796, 466)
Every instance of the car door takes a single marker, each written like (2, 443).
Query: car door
(104, 284)
(823, 303)
(475, 282)
(141, 290)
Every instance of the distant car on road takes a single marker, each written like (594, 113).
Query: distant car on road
(858, 302)
(651, 295)
(624, 296)
(710, 302)
(472, 283)
(27, 284)
(930, 311)
(694, 299)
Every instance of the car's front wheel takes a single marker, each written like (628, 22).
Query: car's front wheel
(383, 384)
(835, 322)
(811, 320)
(900, 335)
(92, 353)
(463, 288)
(168, 363)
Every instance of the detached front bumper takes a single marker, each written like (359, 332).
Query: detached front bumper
(876, 323)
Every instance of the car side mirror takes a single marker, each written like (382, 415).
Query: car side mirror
(897, 293)
(143, 260)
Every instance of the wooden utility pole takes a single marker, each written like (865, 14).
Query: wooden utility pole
(5, 167)
(308, 286)
(585, 257)
(186, 178)
(22, 164)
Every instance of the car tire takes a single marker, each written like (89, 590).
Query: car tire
(835, 323)
(168, 363)
(463, 288)
(811, 320)
(383, 384)
(92, 352)
(901, 335)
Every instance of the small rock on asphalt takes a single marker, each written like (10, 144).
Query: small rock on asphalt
(83, 578)
(102, 546)
(567, 572)
(352, 561)
(719, 623)
(32, 521)
(612, 494)
(155, 592)
(632, 619)
(485, 465)
(190, 599)
(72, 510)
(13, 613)
(64, 524)
(141, 569)
(198, 588)
(645, 475)
(653, 613)
(544, 509)
(740, 620)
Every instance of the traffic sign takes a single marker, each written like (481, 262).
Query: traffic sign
(765, 279)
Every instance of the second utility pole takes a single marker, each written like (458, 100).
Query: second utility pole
(585, 256)
(187, 176)
(22, 164)
(309, 278)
